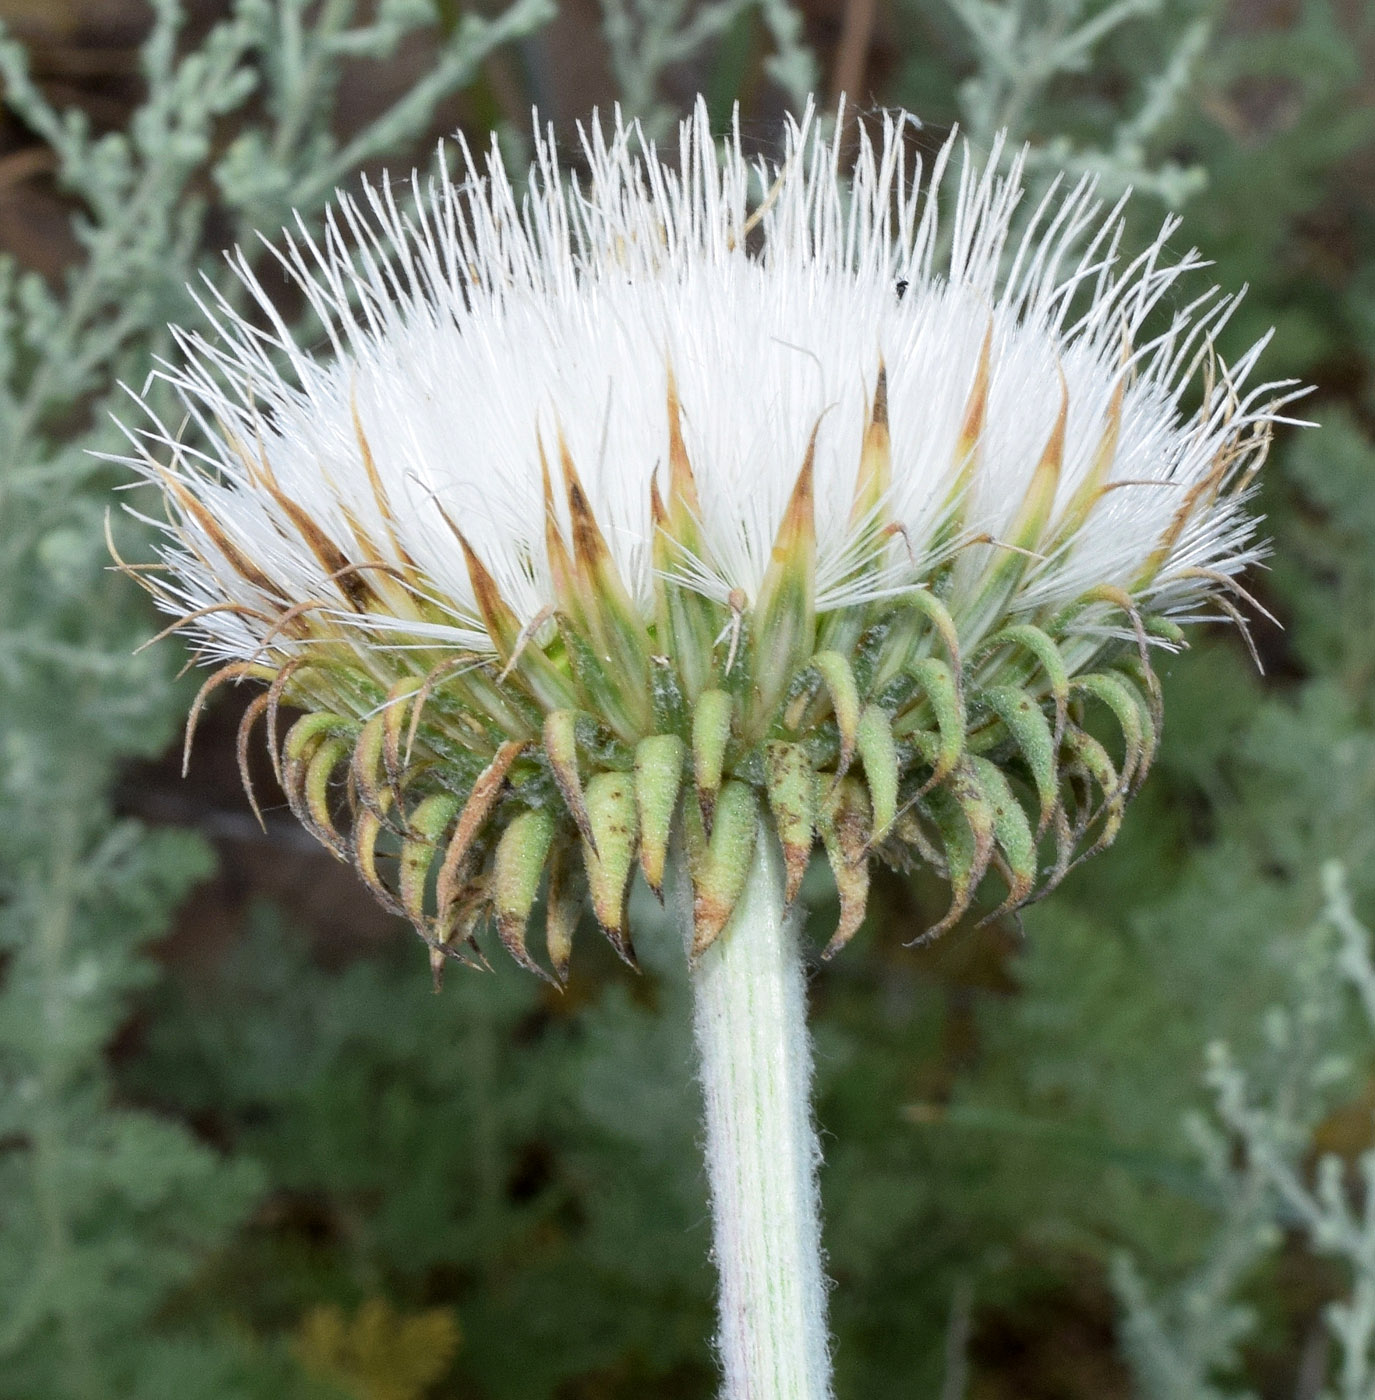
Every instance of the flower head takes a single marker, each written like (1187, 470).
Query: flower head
(692, 492)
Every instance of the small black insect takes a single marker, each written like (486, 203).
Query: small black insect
(901, 288)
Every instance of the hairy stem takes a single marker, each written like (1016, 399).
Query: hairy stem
(749, 1014)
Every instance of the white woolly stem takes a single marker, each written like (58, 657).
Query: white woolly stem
(750, 1019)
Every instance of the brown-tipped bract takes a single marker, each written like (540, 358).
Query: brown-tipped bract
(517, 869)
(609, 854)
(659, 764)
(711, 727)
(581, 749)
(883, 560)
(721, 863)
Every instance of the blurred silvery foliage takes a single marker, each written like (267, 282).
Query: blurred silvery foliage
(1024, 47)
(1052, 72)
(1060, 1141)
(647, 38)
(1259, 1150)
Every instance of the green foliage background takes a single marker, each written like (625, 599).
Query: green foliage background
(274, 1166)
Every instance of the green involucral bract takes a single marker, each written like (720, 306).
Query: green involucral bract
(932, 725)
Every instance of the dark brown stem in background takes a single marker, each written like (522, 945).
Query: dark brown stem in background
(852, 54)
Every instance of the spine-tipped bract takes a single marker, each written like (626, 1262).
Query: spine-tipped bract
(612, 527)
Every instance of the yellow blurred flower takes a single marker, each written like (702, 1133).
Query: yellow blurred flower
(378, 1353)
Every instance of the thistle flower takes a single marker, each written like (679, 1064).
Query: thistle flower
(689, 494)
(719, 510)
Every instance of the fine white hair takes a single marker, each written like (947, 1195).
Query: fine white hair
(470, 329)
